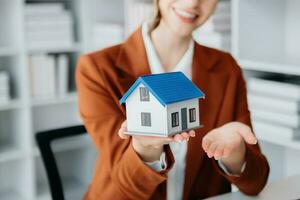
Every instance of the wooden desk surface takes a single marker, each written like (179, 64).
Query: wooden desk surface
(286, 189)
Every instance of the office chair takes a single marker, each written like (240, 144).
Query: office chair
(44, 140)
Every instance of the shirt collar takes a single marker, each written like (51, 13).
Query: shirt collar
(184, 65)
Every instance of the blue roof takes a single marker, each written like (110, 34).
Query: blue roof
(168, 87)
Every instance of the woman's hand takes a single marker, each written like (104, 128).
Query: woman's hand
(228, 143)
(150, 148)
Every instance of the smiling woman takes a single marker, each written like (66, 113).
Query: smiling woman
(172, 10)
(182, 166)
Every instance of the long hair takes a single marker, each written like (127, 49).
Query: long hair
(156, 16)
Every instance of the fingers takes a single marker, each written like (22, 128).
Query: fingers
(123, 130)
(208, 139)
(216, 150)
(184, 136)
(206, 143)
(192, 133)
(247, 135)
(178, 138)
(219, 151)
(211, 150)
(213, 146)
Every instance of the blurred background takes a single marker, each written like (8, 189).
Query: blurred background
(40, 42)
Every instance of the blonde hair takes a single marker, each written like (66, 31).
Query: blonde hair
(156, 16)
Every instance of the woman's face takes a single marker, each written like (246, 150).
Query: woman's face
(184, 16)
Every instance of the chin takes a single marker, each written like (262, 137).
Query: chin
(181, 29)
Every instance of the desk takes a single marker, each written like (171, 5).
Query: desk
(286, 189)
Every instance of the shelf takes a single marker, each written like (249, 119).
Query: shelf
(69, 98)
(12, 104)
(68, 144)
(10, 153)
(8, 51)
(267, 137)
(270, 67)
(75, 48)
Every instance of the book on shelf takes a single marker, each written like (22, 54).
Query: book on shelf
(51, 34)
(50, 45)
(52, 28)
(280, 87)
(263, 101)
(4, 87)
(48, 75)
(275, 131)
(35, 25)
(65, 16)
(38, 67)
(271, 116)
(62, 66)
(51, 76)
(48, 8)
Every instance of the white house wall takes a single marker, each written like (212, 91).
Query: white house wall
(134, 107)
(176, 107)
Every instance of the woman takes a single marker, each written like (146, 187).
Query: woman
(190, 165)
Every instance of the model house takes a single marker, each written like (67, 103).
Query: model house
(162, 105)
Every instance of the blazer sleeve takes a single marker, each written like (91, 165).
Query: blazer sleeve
(256, 172)
(102, 118)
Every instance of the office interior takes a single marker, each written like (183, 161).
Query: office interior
(263, 36)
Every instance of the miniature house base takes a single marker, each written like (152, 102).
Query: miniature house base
(163, 135)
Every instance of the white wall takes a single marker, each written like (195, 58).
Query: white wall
(134, 107)
(176, 107)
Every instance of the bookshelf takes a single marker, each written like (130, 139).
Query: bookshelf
(270, 23)
(264, 41)
(22, 174)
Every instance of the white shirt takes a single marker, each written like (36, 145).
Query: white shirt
(176, 175)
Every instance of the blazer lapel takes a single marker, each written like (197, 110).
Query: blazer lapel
(132, 56)
(131, 63)
(213, 85)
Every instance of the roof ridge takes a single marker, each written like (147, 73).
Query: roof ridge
(160, 74)
(159, 85)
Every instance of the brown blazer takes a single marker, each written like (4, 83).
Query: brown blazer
(104, 76)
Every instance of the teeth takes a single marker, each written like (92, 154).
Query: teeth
(185, 14)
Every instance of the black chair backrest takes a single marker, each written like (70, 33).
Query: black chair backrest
(44, 140)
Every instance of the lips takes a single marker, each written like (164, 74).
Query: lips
(185, 16)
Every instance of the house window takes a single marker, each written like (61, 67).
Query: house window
(144, 94)
(175, 119)
(192, 113)
(146, 119)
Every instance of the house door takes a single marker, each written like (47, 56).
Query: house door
(184, 118)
